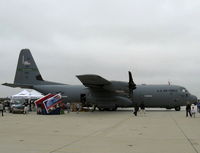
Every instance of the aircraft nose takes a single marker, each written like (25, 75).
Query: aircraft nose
(193, 99)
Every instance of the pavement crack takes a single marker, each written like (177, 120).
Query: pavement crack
(93, 133)
(188, 139)
(75, 141)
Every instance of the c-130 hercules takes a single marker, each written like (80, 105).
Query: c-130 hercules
(99, 92)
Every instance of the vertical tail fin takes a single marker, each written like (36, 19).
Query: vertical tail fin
(27, 72)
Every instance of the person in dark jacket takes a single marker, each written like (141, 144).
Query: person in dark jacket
(188, 109)
(198, 106)
(142, 107)
(136, 108)
(1, 108)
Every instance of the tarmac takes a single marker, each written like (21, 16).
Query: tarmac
(156, 131)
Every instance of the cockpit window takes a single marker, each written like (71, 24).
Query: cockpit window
(184, 90)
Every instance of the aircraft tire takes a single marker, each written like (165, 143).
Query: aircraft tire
(101, 109)
(177, 108)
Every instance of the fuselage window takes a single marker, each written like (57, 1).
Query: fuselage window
(172, 90)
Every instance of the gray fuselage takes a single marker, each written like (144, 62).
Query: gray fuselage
(164, 96)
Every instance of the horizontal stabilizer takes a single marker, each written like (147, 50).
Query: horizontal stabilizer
(93, 80)
(17, 85)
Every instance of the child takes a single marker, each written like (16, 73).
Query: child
(193, 111)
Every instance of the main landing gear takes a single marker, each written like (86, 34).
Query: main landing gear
(178, 108)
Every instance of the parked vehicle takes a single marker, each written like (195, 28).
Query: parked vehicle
(17, 106)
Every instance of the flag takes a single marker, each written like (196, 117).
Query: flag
(52, 101)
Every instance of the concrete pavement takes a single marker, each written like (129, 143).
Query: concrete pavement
(100, 132)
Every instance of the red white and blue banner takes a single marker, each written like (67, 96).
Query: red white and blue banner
(52, 102)
(40, 101)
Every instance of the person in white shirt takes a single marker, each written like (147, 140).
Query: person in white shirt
(68, 107)
(25, 108)
(78, 108)
(193, 111)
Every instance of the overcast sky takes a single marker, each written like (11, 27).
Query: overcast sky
(158, 40)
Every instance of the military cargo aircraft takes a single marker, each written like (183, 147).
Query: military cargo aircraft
(99, 92)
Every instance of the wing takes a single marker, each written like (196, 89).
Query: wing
(93, 80)
(103, 97)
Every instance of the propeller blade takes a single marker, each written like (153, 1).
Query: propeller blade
(131, 83)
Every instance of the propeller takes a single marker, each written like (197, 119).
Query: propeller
(131, 85)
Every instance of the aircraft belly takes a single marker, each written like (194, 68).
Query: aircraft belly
(115, 101)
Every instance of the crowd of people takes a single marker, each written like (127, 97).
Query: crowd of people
(191, 109)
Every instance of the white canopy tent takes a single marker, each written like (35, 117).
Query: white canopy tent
(27, 95)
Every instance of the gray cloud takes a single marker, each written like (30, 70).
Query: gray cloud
(157, 40)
